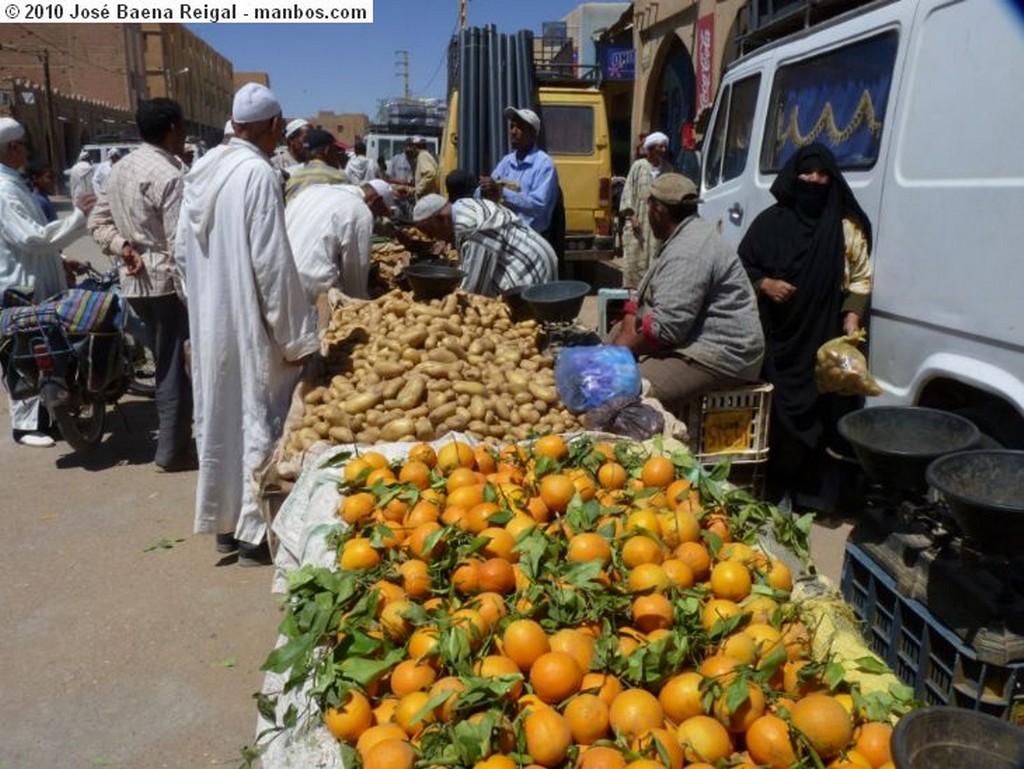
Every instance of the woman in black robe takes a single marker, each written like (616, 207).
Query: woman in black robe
(808, 258)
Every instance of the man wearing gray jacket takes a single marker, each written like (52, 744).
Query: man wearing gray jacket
(694, 326)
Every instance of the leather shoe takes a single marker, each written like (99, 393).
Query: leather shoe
(226, 543)
(181, 464)
(254, 555)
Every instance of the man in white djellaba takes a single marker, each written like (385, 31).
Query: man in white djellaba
(252, 324)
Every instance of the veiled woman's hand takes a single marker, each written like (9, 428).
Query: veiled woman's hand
(778, 290)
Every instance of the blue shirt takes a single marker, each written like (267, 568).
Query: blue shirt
(538, 186)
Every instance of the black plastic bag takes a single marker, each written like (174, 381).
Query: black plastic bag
(628, 417)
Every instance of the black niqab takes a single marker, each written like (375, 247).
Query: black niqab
(800, 240)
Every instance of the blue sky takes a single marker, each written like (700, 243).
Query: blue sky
(348, 67)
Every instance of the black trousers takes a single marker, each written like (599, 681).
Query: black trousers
(166, 320)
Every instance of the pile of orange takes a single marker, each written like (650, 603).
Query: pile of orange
(568, 605)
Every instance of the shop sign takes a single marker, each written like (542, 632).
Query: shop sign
(704, 56)
(618, 62)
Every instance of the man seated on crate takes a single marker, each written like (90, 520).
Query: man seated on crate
(694, 326)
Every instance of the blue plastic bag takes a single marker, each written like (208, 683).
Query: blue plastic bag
(587, 377)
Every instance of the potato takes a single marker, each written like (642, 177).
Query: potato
(469, 388)
(388, 369)
(358, 404)
(424, 429)
(442, 412)
(398, 428)
(543, 393)
(341, 435)
(315, 395)
(411, 394)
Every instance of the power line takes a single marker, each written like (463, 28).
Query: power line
(444, 53)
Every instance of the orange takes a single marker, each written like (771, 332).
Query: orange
(652, 612)
(381, 475)
(823, 722)
(697, 557)
(557, 491)
(389, 591)
(494, 665)
(491, 607)
(607, 687)
(466, 577)
(547, 737)
(423, 511)
(584, 483)
(611, 475)
(760, 607)
(356, 471)
(385, 711)
(648, 578)
(718, 609)
(499, 544)
(730, 580)
(495, 575)
(423, 644)
(587, 717)
(357, 554)
(644, 522)
(797, 639)
(739, 719)
(455, 454)
(659, 744)
(552, 446)
(640, 549)
(459, 477)
(577, 644)
(853, 760)
(769, 742)
(356, 508)
(873, 741)
(411, 676)
(678, 526)
(376, 734)
(634, 711)
(473, 623)
(741, 647)
(587, 547)
(519, 524)
(446, 710)
(390, 754)
(415, 578)
(681, 697)
(538, 509)
(600, 757)
(658, 471)
(679, 574)
(408, 713)
(478, 517)
(719, 667)
(704, 739)
(524, 641)
(350, 720)
(416, 473)
(496, 761)
(393, 621)
(376, 460)
(779, 576)
(555, 676)
(424, 542)
(466, 497)
(423, 452)
(799, 685)
(485, 461)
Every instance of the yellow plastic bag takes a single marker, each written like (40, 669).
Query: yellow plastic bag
(842, 369)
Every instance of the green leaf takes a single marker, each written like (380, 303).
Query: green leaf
(736, 693)
(230, 662)
(267, 706)
(163, 544)
(871, 665)
(834, 673)
(336, 460)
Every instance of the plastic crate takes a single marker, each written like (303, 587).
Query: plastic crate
(610, 302)
(730, 425)
(923, 653)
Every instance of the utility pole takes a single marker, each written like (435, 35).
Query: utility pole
(403, 63)
(43, 55)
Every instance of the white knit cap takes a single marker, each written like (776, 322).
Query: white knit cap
(253, 103)
(654, 139)
(383, 189)
(427, 206)
(229, 128)
(10, 130)
(294, 126)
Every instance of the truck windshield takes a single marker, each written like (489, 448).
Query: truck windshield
(568, 129)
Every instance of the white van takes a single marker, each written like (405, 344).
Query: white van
(922, 103)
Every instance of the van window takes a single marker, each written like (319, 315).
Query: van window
(838, 99)
(568, 129)
(730, 137)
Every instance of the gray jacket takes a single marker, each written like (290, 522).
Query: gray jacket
(696, 298)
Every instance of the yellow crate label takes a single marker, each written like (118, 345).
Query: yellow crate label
(727, 431)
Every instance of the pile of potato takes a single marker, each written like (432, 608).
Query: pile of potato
(387, 260)
(406, 370)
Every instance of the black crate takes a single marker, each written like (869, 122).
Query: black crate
(923, 653)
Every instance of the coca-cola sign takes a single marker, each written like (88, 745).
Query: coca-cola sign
(703, 56)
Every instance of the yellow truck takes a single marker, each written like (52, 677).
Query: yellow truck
(574, 132)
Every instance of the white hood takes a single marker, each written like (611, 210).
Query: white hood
(206, 180)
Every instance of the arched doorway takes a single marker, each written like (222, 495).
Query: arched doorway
(674, 94)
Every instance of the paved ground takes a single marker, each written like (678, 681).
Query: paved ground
(117, 651)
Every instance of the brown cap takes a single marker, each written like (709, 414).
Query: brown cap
(674, 190)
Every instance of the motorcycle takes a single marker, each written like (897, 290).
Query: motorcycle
(74, 351)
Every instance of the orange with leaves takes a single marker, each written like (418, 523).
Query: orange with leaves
(640, 549)
(601, 757)
(696, 556)
(411, 676)
(556, 491)
(495, 665)
(453, 687)
(824, 722)
(349, 721)
(604, 685)
(730, 580)
(704, 739)
(587, 717)
(455, 454)
(577, 644)
(408, 713)
(551, 446)
(357, 554)
(657, 472)
(874, 742)
(770, 743)
(587, 547)
(376, 734)
(547, 737)
(356, 508)
(681, 696)
(495, 575)
(390, 754)
(612, 476)
(658, 745)
(652, 612)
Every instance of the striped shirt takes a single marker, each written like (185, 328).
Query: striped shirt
(140, 206)
(498, 251)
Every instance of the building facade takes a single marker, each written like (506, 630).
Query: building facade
(346, 126)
